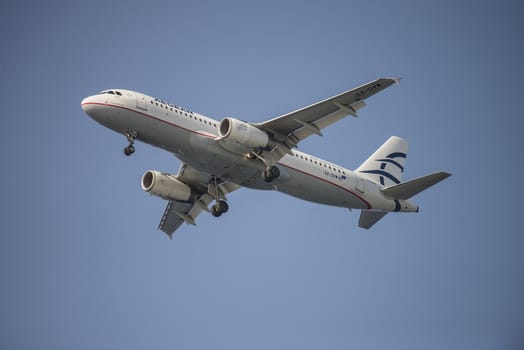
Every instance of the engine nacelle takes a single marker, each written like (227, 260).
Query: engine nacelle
(243, 134)
(166, 186)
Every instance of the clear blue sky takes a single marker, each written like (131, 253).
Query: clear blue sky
(83, 267)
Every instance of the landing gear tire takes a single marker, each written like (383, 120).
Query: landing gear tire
(222, 206)
(214, 212)
(219, 208)
(129, 150)
(271, 173)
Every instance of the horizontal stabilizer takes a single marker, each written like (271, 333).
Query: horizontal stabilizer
(369, 218)
(410, 188)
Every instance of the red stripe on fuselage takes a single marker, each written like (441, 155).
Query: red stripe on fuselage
(212, 136)
(329, 182)
(151, 117)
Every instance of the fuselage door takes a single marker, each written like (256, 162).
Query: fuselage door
(361, 185)
(141, 102)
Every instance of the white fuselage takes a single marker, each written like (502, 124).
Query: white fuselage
(192, 137)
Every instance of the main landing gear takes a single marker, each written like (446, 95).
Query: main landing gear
(219, 208)
(131, 137)
(271, 172)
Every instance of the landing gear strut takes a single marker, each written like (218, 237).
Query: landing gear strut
(131, 137)
(220, 207)
(271, 172)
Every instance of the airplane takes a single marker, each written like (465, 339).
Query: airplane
(219, 157)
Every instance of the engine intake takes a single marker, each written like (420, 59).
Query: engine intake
(165, 186)
(244, 134)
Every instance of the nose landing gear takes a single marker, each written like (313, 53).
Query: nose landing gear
(131, 137)
(129, 150)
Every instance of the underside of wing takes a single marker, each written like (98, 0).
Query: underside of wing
(176, 213)
(205, 189)
(171, 220)
(290, 128)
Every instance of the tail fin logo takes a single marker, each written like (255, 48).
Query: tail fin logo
(386, 165)
(390, 159)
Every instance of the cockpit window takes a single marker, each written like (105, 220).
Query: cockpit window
(111, 92)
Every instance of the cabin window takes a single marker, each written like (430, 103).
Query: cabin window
(118, 93)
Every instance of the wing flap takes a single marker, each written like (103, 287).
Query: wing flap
(176, 213)
(170, 220)
(324, 122)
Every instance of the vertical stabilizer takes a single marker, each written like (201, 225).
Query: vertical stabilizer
(386, 165)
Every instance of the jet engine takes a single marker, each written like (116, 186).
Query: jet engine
(243, 134)
(166, 186)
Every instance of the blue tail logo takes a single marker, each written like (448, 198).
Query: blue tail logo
(386, 166)
(390, 159)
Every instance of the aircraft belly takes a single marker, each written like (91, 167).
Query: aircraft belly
(172, 139)
(202, 152)
(315, 189)
(213, 159)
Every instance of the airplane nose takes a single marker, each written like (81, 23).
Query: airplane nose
(85, 104)
(93, 107)
(89, 105)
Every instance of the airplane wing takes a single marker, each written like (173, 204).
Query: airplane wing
(205, 190)
(177, 213)
(293, 127)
